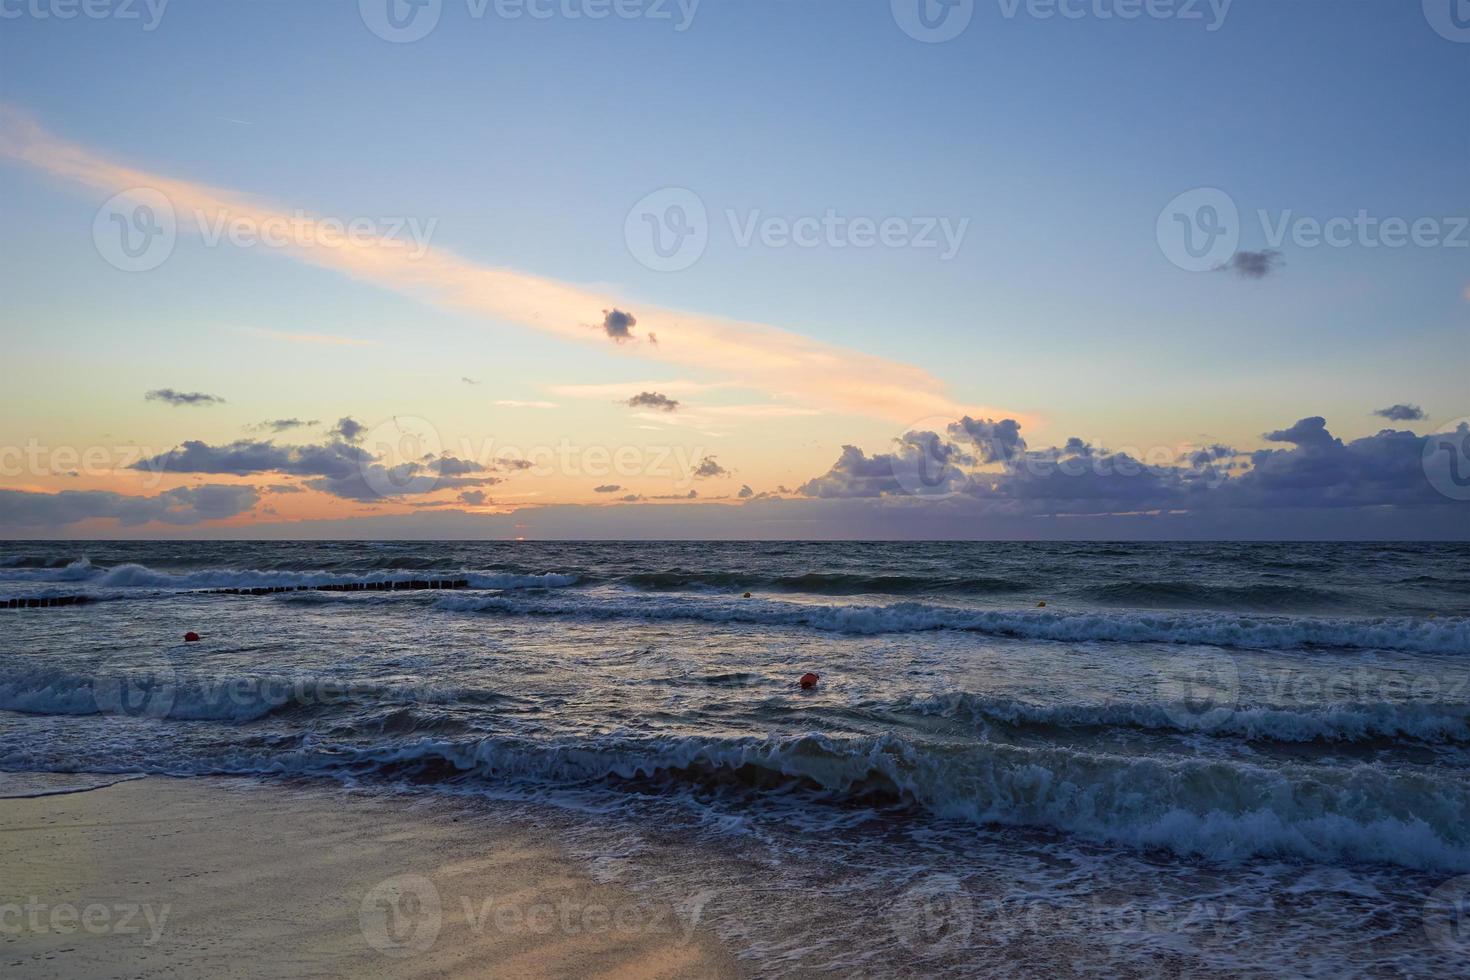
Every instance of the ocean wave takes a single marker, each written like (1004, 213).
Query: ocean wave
(133, 576)
(162, 691)
(1175, 593)
(1221, 810)
(1403, 721)
(1449, 635)
(33, 561)
(825, 583)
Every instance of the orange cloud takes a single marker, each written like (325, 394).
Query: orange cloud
(779, 362)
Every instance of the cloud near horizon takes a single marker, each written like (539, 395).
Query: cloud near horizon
(978, 479)
(337, 468)
(180, 506)
(777, 361)
(1402, 413)
(1319, 471)
(180, 399)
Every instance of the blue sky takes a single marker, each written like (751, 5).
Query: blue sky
(527, 142)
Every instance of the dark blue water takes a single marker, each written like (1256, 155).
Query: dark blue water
(1191, 754)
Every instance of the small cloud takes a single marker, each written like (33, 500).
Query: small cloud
(709, 468)
(283, 488)
(348, 429)
(1254, 265)
(632, 498)
(474, 498)
(653, 338)
(619, 325)
(1308, 433)
(692, 494)
(607, 488)
(282, 425)
(652, 399)
(181, 398)
(469, 381)
(745, 492)
(1402, 413)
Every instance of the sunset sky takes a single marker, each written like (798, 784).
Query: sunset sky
(756, 269)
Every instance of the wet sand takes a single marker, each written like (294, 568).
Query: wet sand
(225, 878)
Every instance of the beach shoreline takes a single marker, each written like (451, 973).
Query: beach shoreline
(207, 876)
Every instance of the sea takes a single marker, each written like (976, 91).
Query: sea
(1020, 759)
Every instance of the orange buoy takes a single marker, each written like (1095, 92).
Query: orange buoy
(808, 681)
(191, 637)
(1041, 604)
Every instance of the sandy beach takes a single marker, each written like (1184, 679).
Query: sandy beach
(164, 877)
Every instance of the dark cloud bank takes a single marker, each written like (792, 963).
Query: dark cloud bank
(977, 479)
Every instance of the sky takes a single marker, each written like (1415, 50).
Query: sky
(775, 268)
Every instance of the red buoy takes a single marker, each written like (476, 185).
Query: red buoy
(808, 681)
(191, 637)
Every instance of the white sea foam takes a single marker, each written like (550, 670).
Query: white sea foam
(1450, 635)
